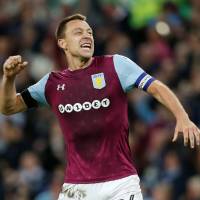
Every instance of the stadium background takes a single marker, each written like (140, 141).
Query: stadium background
(161, 36)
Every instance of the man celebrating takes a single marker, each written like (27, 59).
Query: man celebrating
(89, 100)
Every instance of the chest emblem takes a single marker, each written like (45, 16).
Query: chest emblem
(98, 81)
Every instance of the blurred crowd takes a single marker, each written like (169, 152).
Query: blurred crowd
(161, 36)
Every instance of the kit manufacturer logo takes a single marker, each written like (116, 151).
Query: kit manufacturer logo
(60, 87)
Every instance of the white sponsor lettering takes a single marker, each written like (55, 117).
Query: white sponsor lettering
(105, 103)
(87, 106)
(77, 107)
(96, 104)
(61, 108)
(68, 108)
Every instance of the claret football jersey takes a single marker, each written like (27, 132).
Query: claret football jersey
(91, 107)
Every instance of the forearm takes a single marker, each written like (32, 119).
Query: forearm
(165, 96)
(8, 95)
(10, 102)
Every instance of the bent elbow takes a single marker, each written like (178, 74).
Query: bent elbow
(6, 112)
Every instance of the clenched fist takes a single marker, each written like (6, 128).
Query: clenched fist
(13, 66)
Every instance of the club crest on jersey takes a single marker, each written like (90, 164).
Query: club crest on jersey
(98, 81)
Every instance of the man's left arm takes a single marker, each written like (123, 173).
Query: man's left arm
(184, 125)
(131, 75)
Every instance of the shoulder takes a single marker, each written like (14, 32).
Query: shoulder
(107, 57)
(103, 59)
(56, 74)
(115, 60)
(121, 58)
(114, 57)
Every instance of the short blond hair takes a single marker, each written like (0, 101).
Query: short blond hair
(61, 26)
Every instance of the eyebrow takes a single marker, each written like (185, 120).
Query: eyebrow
(80, 29)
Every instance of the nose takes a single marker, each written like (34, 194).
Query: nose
(87, 35)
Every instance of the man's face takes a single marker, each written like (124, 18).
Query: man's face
(79, 39)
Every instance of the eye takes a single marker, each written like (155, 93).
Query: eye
(90, 32)
(78, 32)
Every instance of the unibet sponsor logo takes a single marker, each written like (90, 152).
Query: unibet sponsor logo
(77, 107)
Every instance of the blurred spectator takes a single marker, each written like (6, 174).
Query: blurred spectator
(12, 142)
(193, 188)
(119, 43)
(162, 191)
(31, 173)
(5, 48)
(54, 188)
(13, 187)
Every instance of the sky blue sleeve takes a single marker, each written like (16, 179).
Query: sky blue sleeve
(130, 74)
(37, 91)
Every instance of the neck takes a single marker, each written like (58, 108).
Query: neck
(75, 63)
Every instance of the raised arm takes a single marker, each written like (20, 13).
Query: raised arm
(10, 101)
(184, 125)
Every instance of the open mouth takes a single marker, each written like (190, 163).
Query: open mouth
(86, 46)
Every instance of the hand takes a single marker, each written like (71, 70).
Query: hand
(191, 132)
(13, 66)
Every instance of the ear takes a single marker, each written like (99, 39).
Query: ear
(62, 44)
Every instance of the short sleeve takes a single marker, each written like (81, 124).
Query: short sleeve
(35, 94)
(130, 74)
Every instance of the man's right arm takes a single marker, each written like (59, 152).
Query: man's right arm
(10, 101)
